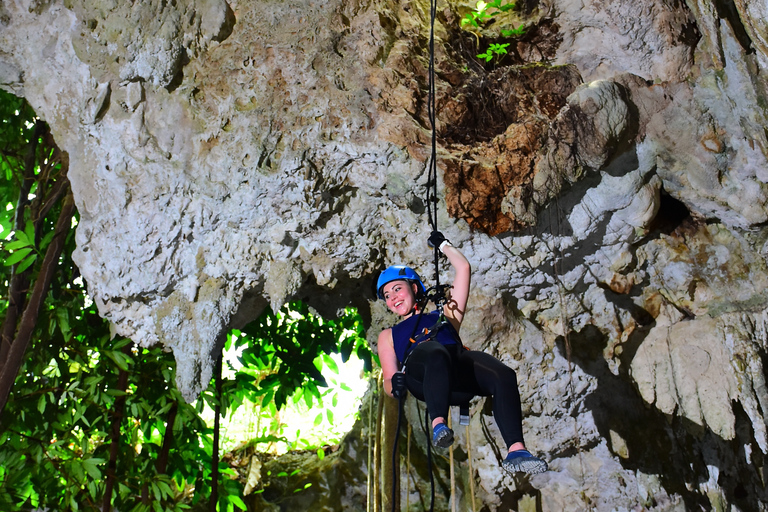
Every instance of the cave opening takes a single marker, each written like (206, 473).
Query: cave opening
(324, 365)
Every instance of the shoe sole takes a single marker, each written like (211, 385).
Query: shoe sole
(530, 466)
(444, 439)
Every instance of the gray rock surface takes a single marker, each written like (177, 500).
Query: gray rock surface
(609, 188)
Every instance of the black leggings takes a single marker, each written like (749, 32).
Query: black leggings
(435, 372)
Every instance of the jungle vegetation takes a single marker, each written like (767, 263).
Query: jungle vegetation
(90, 421)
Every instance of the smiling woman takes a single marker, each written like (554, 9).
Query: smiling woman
(424, 355)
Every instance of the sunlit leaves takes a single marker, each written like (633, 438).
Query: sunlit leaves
(287, 350)
(493, 50)
(483, 15)
(482, 12)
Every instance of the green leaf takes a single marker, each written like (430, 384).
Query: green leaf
(29, 231)
(330, 363)
(46, 240)
(237, 501)
(156, 491)
(91, 467)
(267, 398)
(17, 256)
(16, 245)
(25, 238)
(27, 263)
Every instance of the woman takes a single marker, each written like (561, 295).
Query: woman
(434, 368)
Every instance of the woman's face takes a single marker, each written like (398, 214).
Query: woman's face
(400, 297)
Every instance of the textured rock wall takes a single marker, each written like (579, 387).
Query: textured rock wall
(607, 180)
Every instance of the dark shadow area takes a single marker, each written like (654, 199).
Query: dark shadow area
(178, 78)
(726, 9)
(673, 448)
(671, 215)
(327, 301)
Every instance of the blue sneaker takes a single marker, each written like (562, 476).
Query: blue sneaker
(521, 461)
(442, 436)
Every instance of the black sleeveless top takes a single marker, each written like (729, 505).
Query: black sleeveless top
(401, 333)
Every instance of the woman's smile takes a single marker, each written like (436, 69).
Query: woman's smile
(399, 297)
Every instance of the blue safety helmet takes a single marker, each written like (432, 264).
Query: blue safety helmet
(397, 273)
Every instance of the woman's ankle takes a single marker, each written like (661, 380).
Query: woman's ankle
(437, 420)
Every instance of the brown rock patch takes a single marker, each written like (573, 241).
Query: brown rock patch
(495, 127)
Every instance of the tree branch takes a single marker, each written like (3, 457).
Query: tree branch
(19, 283)
(114, 435)
(214, 499)
(28, 320)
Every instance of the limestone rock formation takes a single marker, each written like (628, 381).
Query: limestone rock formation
(607, 179)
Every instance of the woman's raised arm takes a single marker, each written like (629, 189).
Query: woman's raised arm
(459, 294)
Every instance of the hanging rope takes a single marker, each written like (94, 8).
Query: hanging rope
(437, 293)
(432, 166)
(395, 458)
(432, 206)
(453, 473)
(425, 426)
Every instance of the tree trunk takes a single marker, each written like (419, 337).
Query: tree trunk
(215, 455)
(389, 473)
(29, 318)
(114, 435)
(17, 289)
(162, 459)
(377, 455)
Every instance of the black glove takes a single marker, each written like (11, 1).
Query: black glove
(436, 239)
(398, 385)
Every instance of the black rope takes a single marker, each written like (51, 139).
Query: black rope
(439, 295)
(437, 292)
(432, 167)
(425, 427)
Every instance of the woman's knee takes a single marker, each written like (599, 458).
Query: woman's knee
(430, 352)
(506, 376)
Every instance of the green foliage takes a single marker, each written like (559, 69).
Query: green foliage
(57, 440)
(484, 13)
(78, 384)
(285, 352)
(494, 49)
